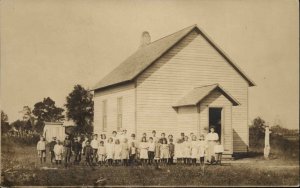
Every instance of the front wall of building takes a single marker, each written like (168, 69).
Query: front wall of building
(191, 63)
(216, 99)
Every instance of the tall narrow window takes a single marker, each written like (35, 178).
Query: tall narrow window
(120, 112)
(104, 115)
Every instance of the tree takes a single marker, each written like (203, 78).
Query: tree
(47, 111)
(27, 122)
(256, 132)
(4, 123)
(80, 108)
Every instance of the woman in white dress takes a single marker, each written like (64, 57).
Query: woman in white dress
(211, 139)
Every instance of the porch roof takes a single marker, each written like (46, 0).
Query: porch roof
(197, 94)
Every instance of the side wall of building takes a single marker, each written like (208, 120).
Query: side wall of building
(127, 93)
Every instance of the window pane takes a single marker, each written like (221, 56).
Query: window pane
(119, 115)
(104, 111)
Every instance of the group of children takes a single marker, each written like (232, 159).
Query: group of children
(123, 150)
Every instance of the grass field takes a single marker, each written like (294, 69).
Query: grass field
(20, 166)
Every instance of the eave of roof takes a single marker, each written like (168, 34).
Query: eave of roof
(196, 95)
(145, 56)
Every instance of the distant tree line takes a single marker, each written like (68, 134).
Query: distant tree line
(79, 108)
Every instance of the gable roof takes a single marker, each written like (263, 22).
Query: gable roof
(197, 94)
(145, 56)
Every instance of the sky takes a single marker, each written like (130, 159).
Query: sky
(48, 46)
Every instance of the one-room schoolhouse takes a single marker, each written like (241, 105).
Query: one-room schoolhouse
(180, 83)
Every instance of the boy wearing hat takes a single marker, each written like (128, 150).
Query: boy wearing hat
(51, 146)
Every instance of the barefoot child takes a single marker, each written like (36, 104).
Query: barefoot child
(41, 148)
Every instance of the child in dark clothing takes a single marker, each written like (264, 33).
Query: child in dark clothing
(51, 146)
(88, 154)
(132, 153)
(76, 148)
(172, 150)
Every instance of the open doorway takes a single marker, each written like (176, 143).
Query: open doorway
(215, 119)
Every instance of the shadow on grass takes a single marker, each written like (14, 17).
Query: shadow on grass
(250, 154)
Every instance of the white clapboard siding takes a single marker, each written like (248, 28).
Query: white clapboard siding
(192, 62)
(127, 92)
(216, 99)
(187, 120)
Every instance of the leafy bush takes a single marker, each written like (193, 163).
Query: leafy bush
(22, 139)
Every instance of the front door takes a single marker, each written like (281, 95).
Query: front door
(215, 120)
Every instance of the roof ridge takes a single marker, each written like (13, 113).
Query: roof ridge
(192, 27)
(143, 57)
(216, 84)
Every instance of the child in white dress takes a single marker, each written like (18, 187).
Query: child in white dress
(110, 148)
(186, 147)
(164, 152)
(101, 153)
(157, 152)
(178, 151)
(194, 149)
(58, 151)
(118, 152)
(144, 151)
(202, 149)
(218, 149)
(124, 151)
